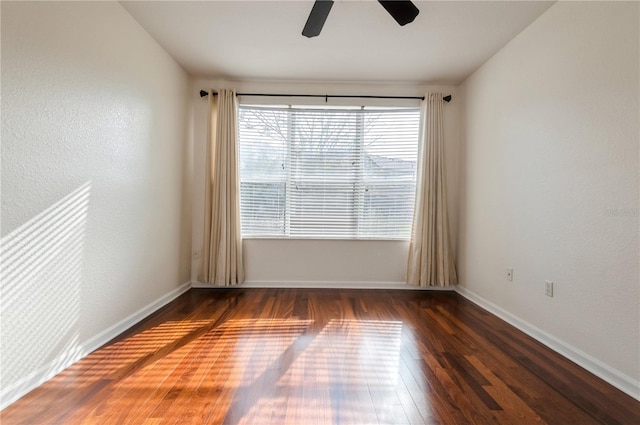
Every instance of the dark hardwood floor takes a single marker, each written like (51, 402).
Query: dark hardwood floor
(298, 356)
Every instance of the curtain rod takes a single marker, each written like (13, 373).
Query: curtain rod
(446, 98)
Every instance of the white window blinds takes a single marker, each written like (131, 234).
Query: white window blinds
(327, 173)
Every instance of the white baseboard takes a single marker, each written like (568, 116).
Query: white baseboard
(324, 284)
(614, 377)
(36, 378)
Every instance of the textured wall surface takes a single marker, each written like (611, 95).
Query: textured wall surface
(549, 179)
(331, 261)
(96, 218)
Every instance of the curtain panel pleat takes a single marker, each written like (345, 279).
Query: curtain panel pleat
(221, 260)
(431, 260)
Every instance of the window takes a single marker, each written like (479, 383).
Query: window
(327, 173)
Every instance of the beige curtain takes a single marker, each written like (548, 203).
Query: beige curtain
(431, 261)
(221, 260)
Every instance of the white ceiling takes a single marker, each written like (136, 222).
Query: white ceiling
(360, 42)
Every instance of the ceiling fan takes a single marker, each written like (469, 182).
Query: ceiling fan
(402, 11)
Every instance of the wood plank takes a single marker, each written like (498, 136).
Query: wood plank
(316, 356)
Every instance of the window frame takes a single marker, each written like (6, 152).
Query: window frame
(357, 207)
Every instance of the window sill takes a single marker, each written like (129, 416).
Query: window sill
(274, 238)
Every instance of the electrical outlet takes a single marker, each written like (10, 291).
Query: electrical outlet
(196, 255)
(548, 288)
(509, 274)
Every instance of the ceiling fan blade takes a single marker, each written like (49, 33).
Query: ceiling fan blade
(317, 18)
(402, 11)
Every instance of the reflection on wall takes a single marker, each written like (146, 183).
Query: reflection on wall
(41, 264)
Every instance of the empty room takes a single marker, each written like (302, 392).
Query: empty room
(320, 212)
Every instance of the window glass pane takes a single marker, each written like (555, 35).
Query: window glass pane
(390, 145)
(324, 145)
(310, 172)
(263, 147)
(262, 207)
(388, 210)
(323, 210)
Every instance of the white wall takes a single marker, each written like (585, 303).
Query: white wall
(325, 262)
(549, 182)
(96, 214)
